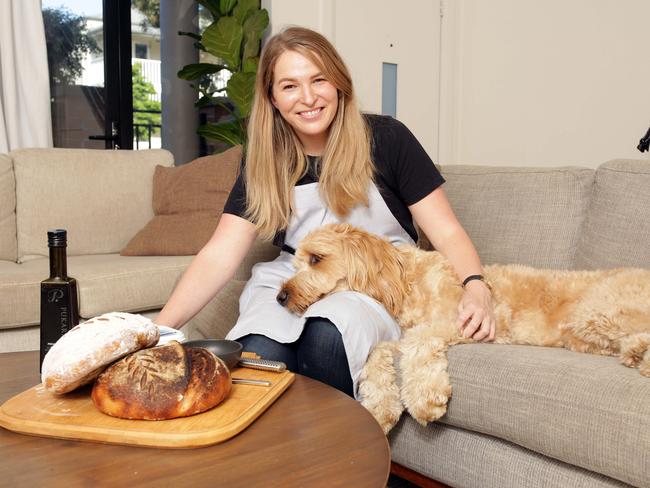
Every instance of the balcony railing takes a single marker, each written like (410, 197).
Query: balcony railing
(149, 141)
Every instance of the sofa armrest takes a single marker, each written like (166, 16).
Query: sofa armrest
(261, 251)
(218, 316)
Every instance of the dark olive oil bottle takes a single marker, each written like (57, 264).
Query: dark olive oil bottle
(59, 302)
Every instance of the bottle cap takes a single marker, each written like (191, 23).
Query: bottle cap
(57, 238)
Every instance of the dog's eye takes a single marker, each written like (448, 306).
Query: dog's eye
(313, 259)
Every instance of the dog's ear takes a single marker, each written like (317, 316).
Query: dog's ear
(375, 268)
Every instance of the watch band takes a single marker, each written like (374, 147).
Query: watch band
(476, 277)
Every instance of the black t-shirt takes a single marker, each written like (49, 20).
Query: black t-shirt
(404, 173)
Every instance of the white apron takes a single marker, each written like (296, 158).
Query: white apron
(362, 321)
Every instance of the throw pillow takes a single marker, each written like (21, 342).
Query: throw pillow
(187, 203)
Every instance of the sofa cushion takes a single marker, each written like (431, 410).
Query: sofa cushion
(581, 409)
(129, 284)
(527, 216)
(462, 458)
(187, 203)
(216, 319)
(19, 339)
(20, 292)
(617, 227)
(102, 197)
(106, 283)
(260, 252)
(8, 243)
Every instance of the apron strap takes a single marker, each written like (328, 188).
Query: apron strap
(288, 249)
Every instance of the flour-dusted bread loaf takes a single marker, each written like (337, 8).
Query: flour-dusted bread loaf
(162, 383)
(85, 351)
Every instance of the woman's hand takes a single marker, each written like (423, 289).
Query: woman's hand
(475, 312)
(437, 220)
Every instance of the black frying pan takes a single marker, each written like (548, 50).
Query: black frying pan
(228, 351)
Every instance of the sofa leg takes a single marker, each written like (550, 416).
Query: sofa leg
(414, 477)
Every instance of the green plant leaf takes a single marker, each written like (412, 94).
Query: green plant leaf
(203, 102)
(256, 23)
(228, 107)
(251, 45)
(245, 8)
(212, 6)
(240, 89)
(228, 132)
(194, 71)
(223, 40)
(249, 65)
(253, 29)
(225, 6)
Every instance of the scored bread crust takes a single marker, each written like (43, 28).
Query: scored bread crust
(81, 354)
(162, 383)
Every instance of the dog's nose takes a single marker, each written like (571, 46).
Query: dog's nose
(283, 297)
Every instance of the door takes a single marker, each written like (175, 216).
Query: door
(89, 57)
(392, 50)
(394, 55)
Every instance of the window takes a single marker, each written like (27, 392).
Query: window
(141, 51)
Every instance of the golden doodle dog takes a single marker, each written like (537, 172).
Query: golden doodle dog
(599, 312)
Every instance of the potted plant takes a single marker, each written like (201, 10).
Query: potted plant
(234, 39)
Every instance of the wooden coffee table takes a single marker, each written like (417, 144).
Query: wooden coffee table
(313, 435)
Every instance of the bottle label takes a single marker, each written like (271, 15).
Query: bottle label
(55, 296)
(58, 313)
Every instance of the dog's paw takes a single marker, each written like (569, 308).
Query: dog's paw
(384, 404)
(635, 352)
(644, 367)
(378, 389)
(427, 404)
(430, 414)
(387, 414)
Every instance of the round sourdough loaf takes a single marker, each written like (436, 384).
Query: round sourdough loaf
(162, 383)
(85, 351)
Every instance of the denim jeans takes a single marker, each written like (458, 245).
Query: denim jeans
(318, 353)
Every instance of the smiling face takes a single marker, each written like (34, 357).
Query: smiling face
(305, 99)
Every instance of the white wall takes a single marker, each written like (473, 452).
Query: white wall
(368, 33)
(529, 82)
(522, 82)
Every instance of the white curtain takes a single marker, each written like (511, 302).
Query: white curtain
(25, 118)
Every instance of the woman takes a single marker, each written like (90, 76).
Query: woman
(314, 159)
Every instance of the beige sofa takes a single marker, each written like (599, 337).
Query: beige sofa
(531, 416)
(103, 198)
(524, 416)
(519, 416)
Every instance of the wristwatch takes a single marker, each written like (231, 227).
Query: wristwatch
(476, 277)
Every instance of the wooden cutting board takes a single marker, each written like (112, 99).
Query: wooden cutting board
(74, 416)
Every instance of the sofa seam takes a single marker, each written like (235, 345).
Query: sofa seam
(117, 275)
(616, 170)
(523, 172)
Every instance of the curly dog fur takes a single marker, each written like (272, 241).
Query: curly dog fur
(599, 312)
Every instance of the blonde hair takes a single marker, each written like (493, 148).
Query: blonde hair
(275, 160)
